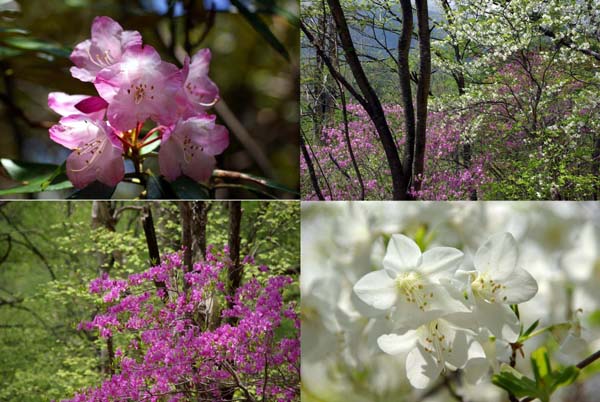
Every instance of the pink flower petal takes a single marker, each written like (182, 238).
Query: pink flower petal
(91, 104)
(72, 131)
(104, 49)
(97, 159)
(189, 149)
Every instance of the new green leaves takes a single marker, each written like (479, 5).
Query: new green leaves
(546, 380)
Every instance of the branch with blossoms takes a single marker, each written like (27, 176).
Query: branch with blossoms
(146, 111)
(447, 316)
(165, 348)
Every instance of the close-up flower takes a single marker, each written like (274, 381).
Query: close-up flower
(409, 283)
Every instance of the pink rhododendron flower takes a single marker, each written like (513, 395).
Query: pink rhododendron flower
(104, 49)
(134, 84)
(66, 105)
(190, 148)
(140, 87)
(97, 152)
(198, 92)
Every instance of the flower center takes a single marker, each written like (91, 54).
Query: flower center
(435, 341)
(139, 92)
(413, 287)
(486, 288)
(190, 149)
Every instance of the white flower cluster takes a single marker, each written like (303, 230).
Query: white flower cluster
(396, 297)
(438, 312)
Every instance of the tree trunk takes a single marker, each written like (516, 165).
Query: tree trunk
(102, 218)
(199, 221)
(373, 105)
(235, 269)
(405, 85)
(422, 91)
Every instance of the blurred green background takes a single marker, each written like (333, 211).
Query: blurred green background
(258, 85)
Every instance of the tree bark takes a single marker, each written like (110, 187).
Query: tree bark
(152, 244)
(199, 221)
(422, 91)
(311, 169)
(373, 105)
(405, 85)
(235, 269)
(102, 217)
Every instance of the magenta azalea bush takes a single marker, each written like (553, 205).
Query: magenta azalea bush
(444, 179)
(183, 339)
(135, 85)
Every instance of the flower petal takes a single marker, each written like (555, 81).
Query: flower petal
(402, 254)
(458, 354)
(498, 318)
(441, 259)
(91, 104)
(477, 364)
(97, 160)
(377, 289)
(73, 131)
(64, 104)
(497, 256)
(394, 344)
(518, 288)
(421, 368)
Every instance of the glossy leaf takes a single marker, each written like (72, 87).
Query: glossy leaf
(31, 44)
(94, 191)
(187, 189)
(158, 188)
(261, 27)
(34, 177)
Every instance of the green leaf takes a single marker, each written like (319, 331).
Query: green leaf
(187, 189)
(31, 44)
(60, 173)
(564, 377)
(282, 12)
(13, 31)
(252, 189)
(262, 28)
(26, 171)
(151, 147)
(272, 184)
(34, 177)
(531, 328)
(94, 191)
(514, 382)
(540, 362)
(158, 188)
(7, 52)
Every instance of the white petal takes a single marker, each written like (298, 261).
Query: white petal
(402, 254)
(573, 345)
(498, 256)
(408, 315)
(458, 355)
(498, 318)
(441, 259)
(421, 368)
(520, 287)
(393, 344)
(377, 289)
(477, 364)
